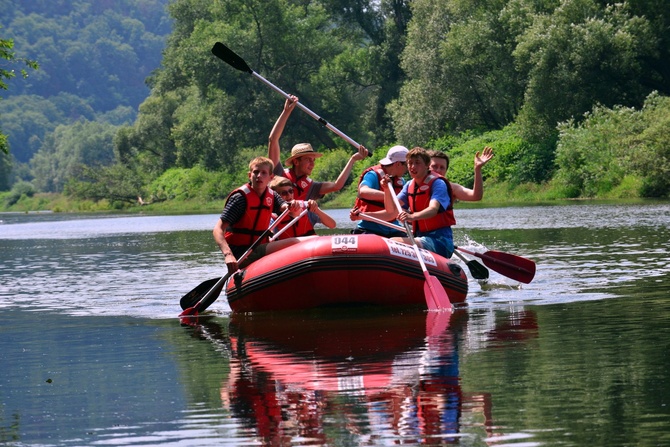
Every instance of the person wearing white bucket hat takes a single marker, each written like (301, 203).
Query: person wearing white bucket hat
(301, 162)
(370, 198)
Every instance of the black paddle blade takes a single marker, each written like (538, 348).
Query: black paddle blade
(228, 56)
(477, 270)
(194, 296)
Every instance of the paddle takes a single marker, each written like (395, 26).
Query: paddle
(512, 266)
(289, 225)
(477, 270)
(436, 296)
(193, 304)
(231, 58)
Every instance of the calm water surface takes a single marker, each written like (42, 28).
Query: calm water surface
(92, 351)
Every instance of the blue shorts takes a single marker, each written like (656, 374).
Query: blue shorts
(439, 244)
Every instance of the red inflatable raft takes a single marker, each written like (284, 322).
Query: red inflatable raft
(341, 270)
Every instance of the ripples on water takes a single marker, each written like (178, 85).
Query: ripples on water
(530, 364)
(139, 264)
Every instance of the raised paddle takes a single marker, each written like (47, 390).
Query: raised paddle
(231, 58)
(477, 270)
(512, 266)
(193, 304)
(436, 296)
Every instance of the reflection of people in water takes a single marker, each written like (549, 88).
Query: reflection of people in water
(413, 392)
(377, 379)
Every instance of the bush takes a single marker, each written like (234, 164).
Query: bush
(192, 183)
(19, 190)
(596, 156)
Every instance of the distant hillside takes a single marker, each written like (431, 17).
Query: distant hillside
(94, 57)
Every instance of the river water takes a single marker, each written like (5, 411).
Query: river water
(92, 351)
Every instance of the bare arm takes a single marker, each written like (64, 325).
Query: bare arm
(323, 217)
(278, 129)
(477, 192)
(368, 193)
(218, 232)
(426, 213)
(327, 187)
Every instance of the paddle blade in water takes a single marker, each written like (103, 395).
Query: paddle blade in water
(436, 296)
(195, 295)
(477, 270)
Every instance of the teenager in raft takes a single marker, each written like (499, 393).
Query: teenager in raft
(301, 162)
(370, 198)
(247, 215)
(305, 225)
(427, 204)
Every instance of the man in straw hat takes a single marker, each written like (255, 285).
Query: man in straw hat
(301, 162)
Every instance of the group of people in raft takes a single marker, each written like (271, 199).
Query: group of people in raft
(426, 200)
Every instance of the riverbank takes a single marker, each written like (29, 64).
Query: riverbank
(497, 195)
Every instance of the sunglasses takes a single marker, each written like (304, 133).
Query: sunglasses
(286, 192)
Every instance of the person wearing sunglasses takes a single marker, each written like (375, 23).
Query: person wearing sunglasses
(305, 225)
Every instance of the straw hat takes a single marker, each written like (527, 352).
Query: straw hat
(301, 149)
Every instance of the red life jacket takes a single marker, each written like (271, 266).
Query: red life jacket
(256, 218)
(301, 184)
(419, 199)
(303, 227)
(365, 205)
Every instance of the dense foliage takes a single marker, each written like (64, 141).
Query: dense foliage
(543, 82)
(94, 58)
(7, 54)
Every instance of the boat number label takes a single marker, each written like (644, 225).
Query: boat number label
(407, 251)
(344, 244)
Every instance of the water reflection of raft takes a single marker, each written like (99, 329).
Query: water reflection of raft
(341, 270)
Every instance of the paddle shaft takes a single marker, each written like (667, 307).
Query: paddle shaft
(231, 58)
(436, 296)
(199, 306)
(516, 267)
(289, 225)
(477, 270)
(512, 266)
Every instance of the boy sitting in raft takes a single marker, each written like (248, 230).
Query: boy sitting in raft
(427, 203)
(305, 225)
(247, 215)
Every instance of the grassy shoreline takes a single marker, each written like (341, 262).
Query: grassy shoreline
(59, 203)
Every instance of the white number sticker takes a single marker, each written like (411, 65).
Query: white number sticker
(344, 244)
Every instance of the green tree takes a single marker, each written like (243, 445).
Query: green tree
(596, 155)
(370, 72)
(69, 147)
(221, 110)
(6, 73)
(580, 55)
(461, 74)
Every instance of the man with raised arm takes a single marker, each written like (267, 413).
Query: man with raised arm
(439, 163)
(301, 162)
